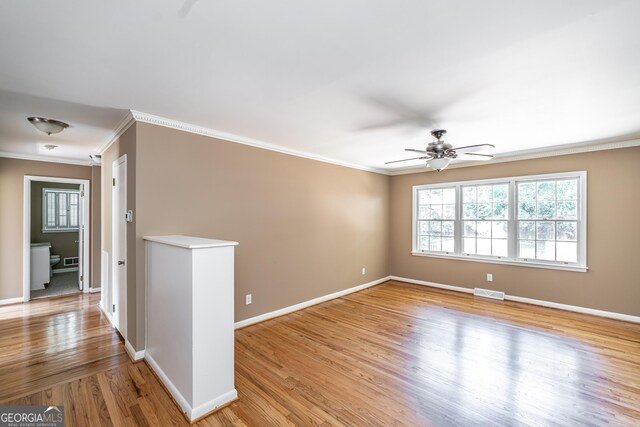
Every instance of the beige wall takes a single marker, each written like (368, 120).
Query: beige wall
(63, 244)
(126, 144)
(305, 228)
(12, 172)
(613, 229)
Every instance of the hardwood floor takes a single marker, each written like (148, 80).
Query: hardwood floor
(394, 354)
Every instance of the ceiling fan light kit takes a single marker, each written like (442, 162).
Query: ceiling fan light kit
(439, 154)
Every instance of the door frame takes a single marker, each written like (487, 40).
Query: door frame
(122, 160)
(26, 242)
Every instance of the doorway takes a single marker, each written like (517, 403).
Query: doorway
(119, 217)
(56, 238)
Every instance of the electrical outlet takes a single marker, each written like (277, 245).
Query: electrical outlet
(489, 277)
(364, 271)
(247, 299)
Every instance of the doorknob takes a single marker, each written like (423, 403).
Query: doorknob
(120, 262)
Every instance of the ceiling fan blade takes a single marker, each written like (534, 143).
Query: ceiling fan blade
(474, 157)
(406, 160)
(472, 148)
(416, 151)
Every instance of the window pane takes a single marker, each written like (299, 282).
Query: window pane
(567, 189)
(546, 209)
(469, 245)
(483, 246)
(468, 194)
(527, 249)
(449, 212)
(546, 250)
(469, 211)
(435, 228)
(484, 210)
(435, 243)
(436, 196)
(527, 191)
(73, 209)
(448, 196)
(567, 251)
(483, 228)
(499, 230)
(435, 211)
(527, 230)
(424, 197)
(567, 210)
(470, 228)
(447, 228)
(547, 190)
(51, 209)
(566, 230)
(423, 243)
(527, 210)
(423, 227)
(500, 193)
(62, 210)
(447, 244)
(423, 212)
(500, 211)
(546, 230)
(484, 193)
(500, 247)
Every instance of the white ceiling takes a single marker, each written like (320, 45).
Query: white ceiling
(324, 78)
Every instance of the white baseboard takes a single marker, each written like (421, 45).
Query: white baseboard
(95, 290)
(305, 304)
(191, 413)
(64, 270)
(106, 313)
(567, 307)
(11, 301)
(133, 354)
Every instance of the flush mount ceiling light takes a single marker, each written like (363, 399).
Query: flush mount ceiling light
(439, 154)
(96, 158)
(48, 126)
(50, 147)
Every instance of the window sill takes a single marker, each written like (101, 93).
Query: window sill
(575, 268)
(62, 230)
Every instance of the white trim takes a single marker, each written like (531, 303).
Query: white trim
(212, 133)
(37, 158)
(11, 301)
(133, 354)
(95, 290)
(106, 313)
(503, 261)
(121, 128)
(64, 270)
(305, 304)
(191, 413)
(536, 153)
(566, 307)
(26, 229)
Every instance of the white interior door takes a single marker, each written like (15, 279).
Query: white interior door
(119, 245)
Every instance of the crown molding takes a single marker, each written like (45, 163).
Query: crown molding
(139, 116)
(120, 128)
(536, 153)
(45, 159)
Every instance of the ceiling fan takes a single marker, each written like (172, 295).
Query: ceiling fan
(439, 154)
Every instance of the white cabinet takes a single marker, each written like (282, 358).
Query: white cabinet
(40, 267)
(190, 322)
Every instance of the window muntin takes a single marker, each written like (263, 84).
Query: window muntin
(60, 210)
(436, 219)
(530, 220)
(548, 220)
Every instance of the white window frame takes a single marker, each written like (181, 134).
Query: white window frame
(512, 258)
(58, 229)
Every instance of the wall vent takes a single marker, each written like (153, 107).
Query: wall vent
(488, 293)
(70, 261)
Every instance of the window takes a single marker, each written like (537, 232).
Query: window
(60, 210)
(537, 221)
